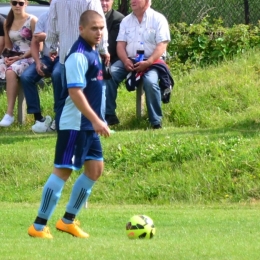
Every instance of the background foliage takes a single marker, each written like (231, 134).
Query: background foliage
(193, 11)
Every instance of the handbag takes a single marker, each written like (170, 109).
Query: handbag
(7, 53)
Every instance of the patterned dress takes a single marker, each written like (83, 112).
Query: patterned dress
(21, 41)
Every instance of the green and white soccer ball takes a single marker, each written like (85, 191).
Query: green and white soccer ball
(140, 226)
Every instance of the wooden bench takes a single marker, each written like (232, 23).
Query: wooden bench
(21, 106)
(140, 100)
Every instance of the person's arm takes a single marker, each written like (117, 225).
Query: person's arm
(2, 34)
(7, 40)
(76, 68)
(83, 106)
(162, 38)
(121, 52)
(35, 50)
(157, 54)
(2, 43)
(52, 39)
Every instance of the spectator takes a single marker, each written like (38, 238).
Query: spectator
(113, 19)
(78, 129)
(34, 73)
(150, 27)
(63, 27)
(18, 27)
(2, 34)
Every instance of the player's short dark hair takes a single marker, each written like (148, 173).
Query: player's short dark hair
(87, 16)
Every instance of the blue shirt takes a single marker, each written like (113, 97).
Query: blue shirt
(83, 67)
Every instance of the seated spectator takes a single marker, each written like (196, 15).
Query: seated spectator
(143, 25)
(35, 72)
(18, 27)
(113, 20)
(2, 34)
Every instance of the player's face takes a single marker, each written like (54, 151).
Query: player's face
(92, 32)
(106, 5)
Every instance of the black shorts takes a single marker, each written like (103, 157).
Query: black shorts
(74, 147)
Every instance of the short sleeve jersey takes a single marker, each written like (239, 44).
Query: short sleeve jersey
(83, 67)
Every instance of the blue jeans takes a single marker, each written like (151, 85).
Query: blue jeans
(30, 77)
(151, 89)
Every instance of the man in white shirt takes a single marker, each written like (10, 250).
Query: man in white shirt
(152, 29)
(63, 28)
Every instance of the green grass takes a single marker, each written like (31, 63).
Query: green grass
(182, 232)
(207, 151)
(198, 177)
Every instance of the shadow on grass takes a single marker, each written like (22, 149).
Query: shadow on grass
(246, 128)
(12, 137)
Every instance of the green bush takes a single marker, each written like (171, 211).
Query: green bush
(208, 43)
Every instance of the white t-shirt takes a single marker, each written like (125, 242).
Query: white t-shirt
(153, 29)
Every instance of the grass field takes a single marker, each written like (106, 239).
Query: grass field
(198, 178)
(184, 232)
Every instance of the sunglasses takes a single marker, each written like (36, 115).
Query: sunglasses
(14, 3)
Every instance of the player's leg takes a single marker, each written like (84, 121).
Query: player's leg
(53, 187)
(93, 167)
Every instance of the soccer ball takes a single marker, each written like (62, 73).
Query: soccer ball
(140, 226)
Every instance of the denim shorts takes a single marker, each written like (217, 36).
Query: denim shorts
(74, 147)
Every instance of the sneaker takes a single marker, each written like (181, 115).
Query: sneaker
(159, 126)
(112, 119)
(45, 233)
(42, 127)
(72, 228)
(53, 126)
(7, 120)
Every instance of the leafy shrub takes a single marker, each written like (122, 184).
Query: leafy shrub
(208, 43)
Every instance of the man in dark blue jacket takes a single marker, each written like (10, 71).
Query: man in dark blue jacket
(113, 20)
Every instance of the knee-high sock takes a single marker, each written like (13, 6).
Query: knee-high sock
(50, 197)
(79, 195)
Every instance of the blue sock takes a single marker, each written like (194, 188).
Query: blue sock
(79, 195)
(50, 197)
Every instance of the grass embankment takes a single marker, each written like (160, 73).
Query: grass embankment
(207, 151)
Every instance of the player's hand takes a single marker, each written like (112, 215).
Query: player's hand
(101, 128)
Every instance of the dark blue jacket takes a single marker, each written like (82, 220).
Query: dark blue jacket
(166, 81)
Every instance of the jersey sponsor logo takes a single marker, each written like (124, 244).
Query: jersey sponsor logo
(100, 75)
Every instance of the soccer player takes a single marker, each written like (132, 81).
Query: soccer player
(79, 126)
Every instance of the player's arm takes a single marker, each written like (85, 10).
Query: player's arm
(83, 106)
(76, 68)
